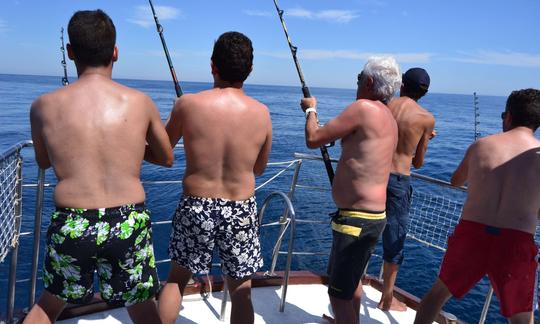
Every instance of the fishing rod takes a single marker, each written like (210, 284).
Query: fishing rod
(171, 67)
(65, 80)
(476, 117)
(305, 90)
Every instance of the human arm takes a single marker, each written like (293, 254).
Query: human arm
(158, 150)
(427, 134)
(36, 124)
(460, 175)
(264, 153)
(343, 124)
(174, 126)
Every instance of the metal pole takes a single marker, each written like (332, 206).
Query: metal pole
(486, 306)
(283, 219)
(289, 257)
(37, 236)
(224, 300)
(15, 252)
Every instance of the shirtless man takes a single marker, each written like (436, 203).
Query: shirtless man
(369, 138)
(415, 129)
(227, 140)
(93, 133)
(495, 235)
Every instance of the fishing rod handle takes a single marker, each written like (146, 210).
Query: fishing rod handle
(305, 91)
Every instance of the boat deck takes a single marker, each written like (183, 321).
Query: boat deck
(305, 304)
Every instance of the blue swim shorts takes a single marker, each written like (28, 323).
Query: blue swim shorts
(398, 202)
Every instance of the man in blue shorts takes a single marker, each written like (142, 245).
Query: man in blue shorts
(93, 133)
(227, 139)
(415, 129)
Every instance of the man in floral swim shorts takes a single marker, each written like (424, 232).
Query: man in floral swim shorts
(93, 132)
(227, 139)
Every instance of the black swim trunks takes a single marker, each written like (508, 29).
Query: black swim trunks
(355, 234)
(117, 242)
(199, 223)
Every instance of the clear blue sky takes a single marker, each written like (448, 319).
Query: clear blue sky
(490, 47)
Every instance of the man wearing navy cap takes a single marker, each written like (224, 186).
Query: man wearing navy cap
(415, 129)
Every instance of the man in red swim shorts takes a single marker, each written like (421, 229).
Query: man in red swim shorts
(495, 235)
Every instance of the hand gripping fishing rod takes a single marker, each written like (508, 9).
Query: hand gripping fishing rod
(160, 31)
(305, 90)
(65, 80)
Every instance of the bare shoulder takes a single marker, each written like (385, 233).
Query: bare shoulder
(258, 106)
(46, 101)
(367, 107)
(188, 100)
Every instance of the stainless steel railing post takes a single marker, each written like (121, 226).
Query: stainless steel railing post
(283, 219)
(289, 256)
(224, 300)
(485, 309)
(15, 252)
(292, 221)
(37, 236)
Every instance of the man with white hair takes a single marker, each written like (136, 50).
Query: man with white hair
(369, 138)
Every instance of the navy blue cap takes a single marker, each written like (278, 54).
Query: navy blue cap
(417, 77)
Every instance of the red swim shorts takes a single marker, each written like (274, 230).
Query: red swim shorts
(507, 256)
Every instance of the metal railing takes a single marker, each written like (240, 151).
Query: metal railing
(11, 177)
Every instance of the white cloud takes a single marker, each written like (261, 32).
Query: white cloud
(507, 58)
(333, 15)
(144, 18)
(3, 26)
(257, 13)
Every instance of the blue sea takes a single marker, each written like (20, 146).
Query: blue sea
(455, 131)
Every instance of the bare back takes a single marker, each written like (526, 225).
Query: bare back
(366, 157)
(93, 132)
(503, 173)
(415, 126)
(227, 139)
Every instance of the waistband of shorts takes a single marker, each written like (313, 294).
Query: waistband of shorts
(250, 200)
(492, 230)
(399, 176)
(103, 211)
(359, 213)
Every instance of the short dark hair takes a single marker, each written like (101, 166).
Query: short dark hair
(92, 37)
(233, 56)
(524, 107)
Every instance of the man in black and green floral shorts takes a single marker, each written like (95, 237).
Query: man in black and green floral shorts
(117, 242)
(93, 133)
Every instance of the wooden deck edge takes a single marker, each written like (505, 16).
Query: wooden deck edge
(201, 286)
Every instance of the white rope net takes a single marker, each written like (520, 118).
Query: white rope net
(435, 211)
(8, 201)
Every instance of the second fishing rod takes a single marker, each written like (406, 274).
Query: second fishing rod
(305, 90)
(177, 87)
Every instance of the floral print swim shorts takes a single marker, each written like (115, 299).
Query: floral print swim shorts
(199, 223)
(117, 242)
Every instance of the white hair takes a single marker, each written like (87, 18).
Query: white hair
(386, 76)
